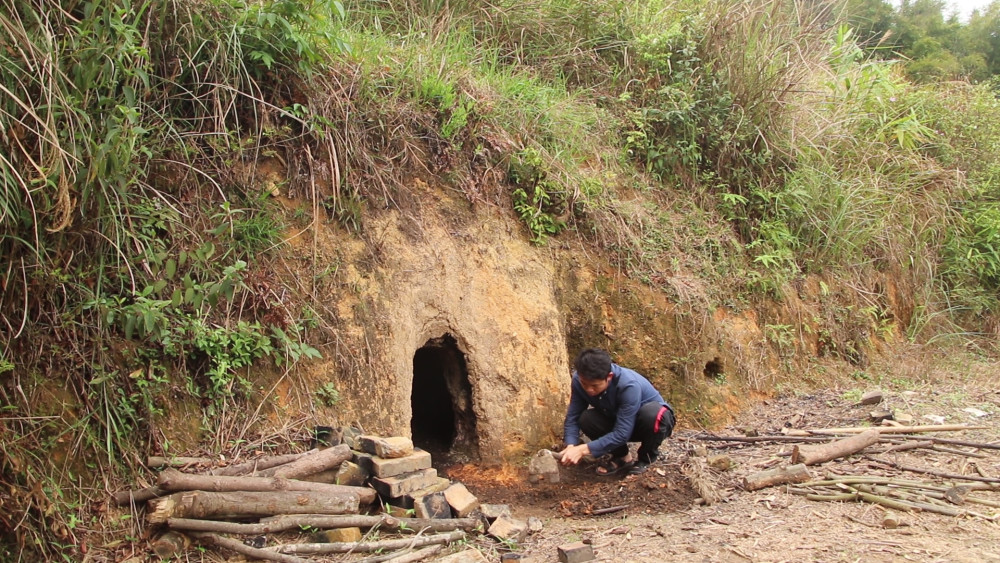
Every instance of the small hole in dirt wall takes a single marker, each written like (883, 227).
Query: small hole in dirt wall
(443, 421)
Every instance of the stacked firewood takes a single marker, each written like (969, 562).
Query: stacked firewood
(371, 483)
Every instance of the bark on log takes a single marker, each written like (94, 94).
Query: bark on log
(811, 455)
(359, 547)
(240, 547)
(173, 480)
(208, 505)
(260, 464)
(123, 498)
(294, 522)
(778, 476)
(320, 461)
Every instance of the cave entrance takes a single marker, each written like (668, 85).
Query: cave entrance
(443, 420)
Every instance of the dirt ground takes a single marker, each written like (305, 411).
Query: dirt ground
(657, 516)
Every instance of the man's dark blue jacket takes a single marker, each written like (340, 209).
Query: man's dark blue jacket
(627, 391)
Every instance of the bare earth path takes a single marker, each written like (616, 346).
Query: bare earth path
(656, 516)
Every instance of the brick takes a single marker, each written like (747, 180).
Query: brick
(406, 483)
(408, 499)
(392, 447)
(338, 535)
(398, 511)
(434, 505)
(507, 528)
(461, 500)
(575, 552)
(493, 511)
(467, 556)
(351, 474)
(390, 467)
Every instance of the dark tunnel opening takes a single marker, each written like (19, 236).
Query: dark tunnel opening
(443, 421)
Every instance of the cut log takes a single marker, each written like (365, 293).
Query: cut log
(173, 480)
(295, 522)
(259, 464)
(170, 544)
(813, 454)
(359, 547)
(320, 461)
(253, 552)
(778, 476)
(123, 498)
(203, 504)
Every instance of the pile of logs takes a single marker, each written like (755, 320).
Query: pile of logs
(371, 483)
(951, 496)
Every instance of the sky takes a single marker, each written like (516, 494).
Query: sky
(965, 7)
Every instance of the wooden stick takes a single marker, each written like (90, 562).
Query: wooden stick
(155, 461)
(908, 445)
(608, 510)
(253, 552)
(812, 455)
(778, 476)
(417, 555)
(344, 547)
(935, 473)
(173, 480)
(888, 429)
(979, 445)
(294, 522)
(753, 439)
(123, 498)
(207, 505)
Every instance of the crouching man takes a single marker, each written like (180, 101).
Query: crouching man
(613, 406)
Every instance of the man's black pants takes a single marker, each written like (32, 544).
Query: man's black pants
(651, 427)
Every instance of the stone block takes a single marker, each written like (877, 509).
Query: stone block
(351, 474)
(535, 525)
(461, 499)
(407, 500)
(338, 535)
(398, 511)
(392, 447)
(434, 505)
(467, 556)
(493, 511)
(400, 485)
(577, 552)
(543, 467)
(390, 467)
(506, 528)
(873, 397)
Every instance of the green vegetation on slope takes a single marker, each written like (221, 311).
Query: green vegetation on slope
(743, 144)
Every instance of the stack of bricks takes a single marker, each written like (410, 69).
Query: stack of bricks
(403, 477)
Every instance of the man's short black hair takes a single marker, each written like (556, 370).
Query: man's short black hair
(593, 364)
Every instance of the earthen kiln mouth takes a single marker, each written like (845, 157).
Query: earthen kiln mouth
(443, 420)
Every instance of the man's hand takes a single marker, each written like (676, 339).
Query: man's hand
(573, 454)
